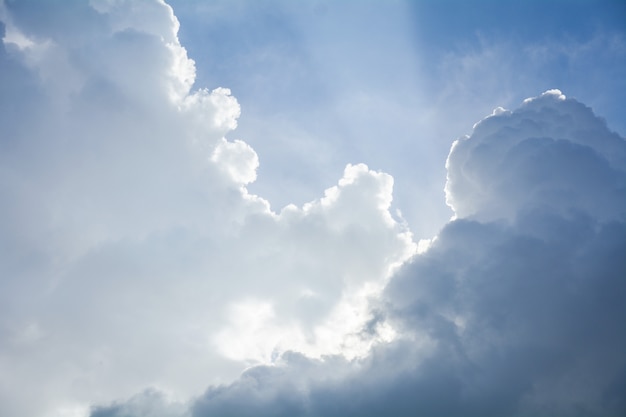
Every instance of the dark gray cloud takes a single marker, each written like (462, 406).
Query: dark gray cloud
(520, 325)
(530, 313)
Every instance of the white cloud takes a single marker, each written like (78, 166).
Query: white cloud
(238, 160)
(550, 152)
(130, 234)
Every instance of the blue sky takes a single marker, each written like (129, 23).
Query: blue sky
(312, 208)
(383, 77)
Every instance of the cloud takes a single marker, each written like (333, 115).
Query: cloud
(550, 152)
(137, 268)
(515, 309)
(527, 314)
(149, 403)
(133, 253)
(238, 159)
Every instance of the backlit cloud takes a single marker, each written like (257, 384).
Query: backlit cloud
(135, 256)
(139, 275)
(515, 309)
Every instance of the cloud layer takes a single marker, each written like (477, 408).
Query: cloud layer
(516, 308)
(137, 269)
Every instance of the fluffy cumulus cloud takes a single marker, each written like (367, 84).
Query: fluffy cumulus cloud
(137, 269)
(551, 152)
(133, 256)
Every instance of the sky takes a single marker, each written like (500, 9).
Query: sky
(315, 208)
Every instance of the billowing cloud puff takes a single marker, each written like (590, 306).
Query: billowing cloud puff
(551, 152)
(238, 160)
